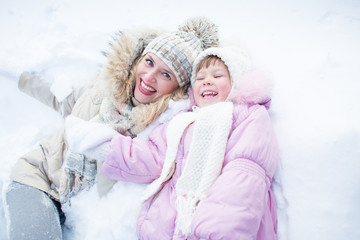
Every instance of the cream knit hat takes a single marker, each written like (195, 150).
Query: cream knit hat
(179, 49)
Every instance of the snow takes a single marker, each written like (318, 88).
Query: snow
(311, 49)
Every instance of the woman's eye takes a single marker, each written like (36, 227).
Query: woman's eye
(149, 62)
(167, 75)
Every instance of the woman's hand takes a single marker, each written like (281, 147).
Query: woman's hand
(87, 142)
(88, 138)
(79, 173)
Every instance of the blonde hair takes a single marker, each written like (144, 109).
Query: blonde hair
(123, 90)
(145, 114)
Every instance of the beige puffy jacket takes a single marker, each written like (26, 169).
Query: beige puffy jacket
(41, 167)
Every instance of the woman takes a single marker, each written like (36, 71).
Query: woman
(144, 72)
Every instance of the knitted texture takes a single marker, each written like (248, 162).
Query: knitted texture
(204, 162)
(79, 174)
(175, 130)
(179, 49)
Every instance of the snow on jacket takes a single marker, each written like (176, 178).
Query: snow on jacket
(239, 205)
(41, 167)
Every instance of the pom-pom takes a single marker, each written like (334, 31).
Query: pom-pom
(203, 29)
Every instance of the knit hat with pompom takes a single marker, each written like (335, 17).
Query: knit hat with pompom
(179, 49)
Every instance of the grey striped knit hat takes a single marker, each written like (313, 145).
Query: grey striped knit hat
(179, 49)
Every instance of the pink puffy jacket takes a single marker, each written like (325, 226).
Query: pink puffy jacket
(239, 205)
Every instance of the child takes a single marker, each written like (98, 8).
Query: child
(211, 168)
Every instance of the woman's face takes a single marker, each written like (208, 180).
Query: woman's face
(154, 79)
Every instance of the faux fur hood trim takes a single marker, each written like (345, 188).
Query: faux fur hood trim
(116, 75)
(254, 87)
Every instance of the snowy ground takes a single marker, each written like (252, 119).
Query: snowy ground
(310, 47)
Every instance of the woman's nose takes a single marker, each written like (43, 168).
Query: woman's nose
(150, 76)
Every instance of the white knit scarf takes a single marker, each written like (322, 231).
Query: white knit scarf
(204, 162)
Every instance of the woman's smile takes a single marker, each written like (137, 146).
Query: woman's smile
(146, 89)
(154, 79)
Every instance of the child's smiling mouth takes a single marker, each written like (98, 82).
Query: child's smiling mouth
(209, 94)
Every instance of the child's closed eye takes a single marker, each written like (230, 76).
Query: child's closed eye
(219, 74)
(199, 77)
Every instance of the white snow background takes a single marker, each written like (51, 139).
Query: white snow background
(311, 48)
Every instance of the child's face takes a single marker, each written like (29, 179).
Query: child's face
(212, 84)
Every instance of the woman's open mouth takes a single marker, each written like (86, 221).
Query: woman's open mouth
(146, 89)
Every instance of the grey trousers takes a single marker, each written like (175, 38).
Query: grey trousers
(32, 214)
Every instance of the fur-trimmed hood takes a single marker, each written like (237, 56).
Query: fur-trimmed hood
(116, 79)
(116, 75)
(254, 87)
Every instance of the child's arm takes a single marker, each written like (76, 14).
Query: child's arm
(235, 204)
(135, 159)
